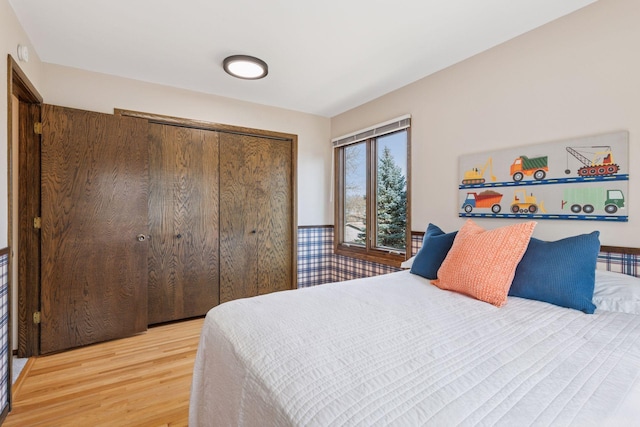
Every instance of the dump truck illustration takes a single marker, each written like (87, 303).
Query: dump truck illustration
(476, 174)
(600, 164)
(523, 165)
(526, 204)
(590, 199)
(486, 199)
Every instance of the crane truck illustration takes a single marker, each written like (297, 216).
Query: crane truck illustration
(600, 164)
(476, 175)
(523, 165)
(588, 200)
(486, 199)
(526, 204)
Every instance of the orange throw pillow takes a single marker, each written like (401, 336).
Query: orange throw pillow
(481, 263)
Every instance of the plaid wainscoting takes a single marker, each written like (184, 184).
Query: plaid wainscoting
(416, 241)
(5, 381)
(620, 263)
(315, 256)
(317, 264)
(347, 268)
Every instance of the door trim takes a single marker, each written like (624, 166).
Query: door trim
(201, 124)
(28, 200)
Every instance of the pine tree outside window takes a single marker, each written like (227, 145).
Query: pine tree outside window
(372, 188)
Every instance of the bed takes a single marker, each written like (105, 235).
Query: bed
(397, 350)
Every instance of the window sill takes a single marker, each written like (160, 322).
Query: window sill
(386, 258)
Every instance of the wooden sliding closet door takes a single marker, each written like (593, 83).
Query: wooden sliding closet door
(256, 215)
(94, 205)
(183, 221)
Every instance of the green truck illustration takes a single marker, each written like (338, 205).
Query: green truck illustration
(589, 199)
(523, 165)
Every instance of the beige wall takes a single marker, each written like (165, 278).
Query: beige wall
(100, 92)
(11, 34)
(576, 76)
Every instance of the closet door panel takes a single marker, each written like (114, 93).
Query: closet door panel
(94, 204)
(256, 220)
(238, 217)
(273, 193)
(183, 222)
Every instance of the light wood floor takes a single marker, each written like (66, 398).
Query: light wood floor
(138, 381)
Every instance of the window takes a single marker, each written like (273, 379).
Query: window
(372, 188)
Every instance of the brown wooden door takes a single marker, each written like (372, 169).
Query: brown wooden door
(183, 222)
(94, 204)
(256, 215)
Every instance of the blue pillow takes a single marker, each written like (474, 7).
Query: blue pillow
(435, 247)
(561, 272)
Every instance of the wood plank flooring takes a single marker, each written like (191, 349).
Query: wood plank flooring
(143, 380)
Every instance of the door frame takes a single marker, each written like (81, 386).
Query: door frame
(28, 200)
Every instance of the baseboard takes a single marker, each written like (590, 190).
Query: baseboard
(15, 389)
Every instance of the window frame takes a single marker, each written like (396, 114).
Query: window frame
(369, 252)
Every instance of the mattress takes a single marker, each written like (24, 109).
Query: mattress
(396, 350)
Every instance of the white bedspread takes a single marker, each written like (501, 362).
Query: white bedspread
(395, 350)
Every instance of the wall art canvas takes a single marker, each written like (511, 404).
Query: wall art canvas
(584, 178)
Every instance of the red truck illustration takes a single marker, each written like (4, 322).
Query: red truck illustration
(486, 199)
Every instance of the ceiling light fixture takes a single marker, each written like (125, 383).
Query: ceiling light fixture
(245, 67)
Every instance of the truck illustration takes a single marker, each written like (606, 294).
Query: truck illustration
(588, 200)
(486, 199)
(526, 204)
(600, 164)
(523, 165)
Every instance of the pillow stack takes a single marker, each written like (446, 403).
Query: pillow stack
(490, 264)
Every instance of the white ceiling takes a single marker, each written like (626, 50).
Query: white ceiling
(324, 56)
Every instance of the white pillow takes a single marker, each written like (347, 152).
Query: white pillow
(408, 263)
(616, 292)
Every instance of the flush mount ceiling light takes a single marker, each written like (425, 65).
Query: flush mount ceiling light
(245, 67)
